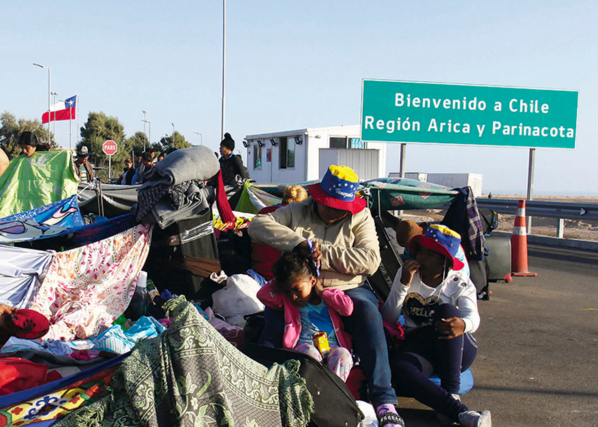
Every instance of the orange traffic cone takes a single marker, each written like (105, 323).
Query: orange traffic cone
(519, 244)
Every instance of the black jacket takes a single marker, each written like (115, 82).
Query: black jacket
(231, 167)
(127, 177)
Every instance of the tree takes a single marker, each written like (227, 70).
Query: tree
(157, 147)
(98, 129)
(176, 140)
(11, 129)
(137, 142)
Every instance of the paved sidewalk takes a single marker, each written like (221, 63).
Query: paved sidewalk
(538, 358)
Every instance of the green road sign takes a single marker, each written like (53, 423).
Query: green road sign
(394, 111)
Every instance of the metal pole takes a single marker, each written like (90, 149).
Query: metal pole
(403, 159)
(55, 95)
(172, 135)
(49, 113)
(223, 67)
(77, 113)
(109, 168)
(150, 134)
(49, 101)
(200, 137)
(70, 126)
(530, 184)
(143, 111)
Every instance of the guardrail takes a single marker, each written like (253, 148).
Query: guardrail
(561, 211)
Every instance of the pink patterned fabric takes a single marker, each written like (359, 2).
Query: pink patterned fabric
(87, 288)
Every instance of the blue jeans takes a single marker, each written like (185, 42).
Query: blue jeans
(369, 343)
(423, 353)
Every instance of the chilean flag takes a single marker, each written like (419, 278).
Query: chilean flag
(63, 110)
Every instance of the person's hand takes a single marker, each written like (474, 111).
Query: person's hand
(303, 250)
(450, 328)
(6, 313)
(409, 270)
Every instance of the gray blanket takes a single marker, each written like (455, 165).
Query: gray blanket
(183, 165)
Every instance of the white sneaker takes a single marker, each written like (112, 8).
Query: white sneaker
(475, 419)
(443, 419)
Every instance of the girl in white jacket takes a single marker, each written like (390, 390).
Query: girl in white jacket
(439, 306)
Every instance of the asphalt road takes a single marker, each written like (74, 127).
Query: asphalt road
(538, 358)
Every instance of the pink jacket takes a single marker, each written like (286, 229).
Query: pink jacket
(339, 304)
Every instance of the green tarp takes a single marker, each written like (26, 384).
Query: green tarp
(390, 193)
(406, 194)
(32, 182)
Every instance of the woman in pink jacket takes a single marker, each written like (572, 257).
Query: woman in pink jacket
(309, 309)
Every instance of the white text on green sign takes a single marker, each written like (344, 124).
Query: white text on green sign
(476, 115)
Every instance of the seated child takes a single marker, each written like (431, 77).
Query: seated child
(309, 309)
(439, 305)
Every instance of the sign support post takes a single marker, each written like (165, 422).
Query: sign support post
(403, 159)
(109, 148)
(530, 184)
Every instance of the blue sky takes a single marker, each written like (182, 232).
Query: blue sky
(293, 65)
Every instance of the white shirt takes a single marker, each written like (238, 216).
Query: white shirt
(416, 302)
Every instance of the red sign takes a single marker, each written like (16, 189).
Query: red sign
(109, 147)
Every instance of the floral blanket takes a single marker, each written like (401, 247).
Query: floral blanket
(191, 376)
(87, 288)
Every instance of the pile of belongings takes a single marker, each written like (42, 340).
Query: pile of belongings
(175, 188)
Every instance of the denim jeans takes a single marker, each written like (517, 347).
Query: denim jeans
(369, 344)
(423, 353)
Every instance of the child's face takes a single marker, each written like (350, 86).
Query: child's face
(299, 291)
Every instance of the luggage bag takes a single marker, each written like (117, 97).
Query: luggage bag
(333, 403)
(183, 256)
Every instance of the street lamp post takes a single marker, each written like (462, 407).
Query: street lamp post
(144, 122)
(200, 137)
(172, 135)
(149, 138)
(223, 67)
(49, 94)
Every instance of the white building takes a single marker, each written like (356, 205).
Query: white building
(305, 154)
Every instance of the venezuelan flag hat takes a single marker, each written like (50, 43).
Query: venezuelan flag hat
(338, 190)
(440, 239)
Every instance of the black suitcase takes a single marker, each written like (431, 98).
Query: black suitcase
(333, 403)
(499, 257)
(184, 268)
(478, 273)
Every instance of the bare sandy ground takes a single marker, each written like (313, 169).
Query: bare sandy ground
(574, 229)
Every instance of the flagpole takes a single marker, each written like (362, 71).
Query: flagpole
(71, 125)
(49, 112)
(55, 95)
(77, 113)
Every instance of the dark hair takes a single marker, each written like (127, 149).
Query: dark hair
(28, 138)
(147, 157)
(289, 267)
